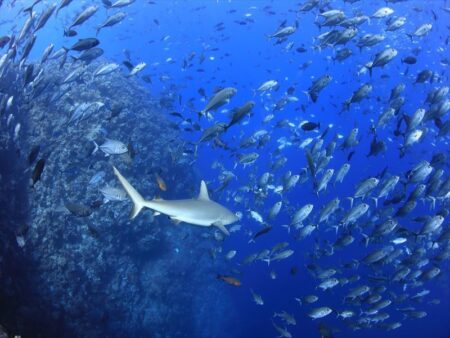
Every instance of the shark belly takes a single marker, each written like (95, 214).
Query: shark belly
(189, 211)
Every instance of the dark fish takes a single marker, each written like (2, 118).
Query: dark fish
(176, 114)
(423, 76)
(70, 33)
(84, 44)
(93, 232)
(201, 91)
(79, 210)
(376, 147)
(128, 65)
(131, 150)
(147, 78)
(37, 171)
(382, 173)
(294, 270)
(263, 231)
(349, 157)
(308, 126)
(28, 74)
(96, 204)
(301, 50)
(395, 199)
(325, 132)
(30, 8)
(4, 41)
(311, 165)
(89, 55)
(410, 60)
(33, 154)
(240, 112)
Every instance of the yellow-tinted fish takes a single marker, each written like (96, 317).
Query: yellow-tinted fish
(230, 280)
(161, 184)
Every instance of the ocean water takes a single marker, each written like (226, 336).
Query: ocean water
(73, 265)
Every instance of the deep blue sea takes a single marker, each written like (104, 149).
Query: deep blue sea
(192, 49)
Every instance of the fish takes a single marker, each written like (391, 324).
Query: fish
(113, 194)
(257, 298)
(64, 3)
(261, 232)
(111, 21)
(84, 44)
(200, 211)
(382, 58)
(229, 280)
(382, 12)
(111, 147)
(320, 312)
(83, 17)
(240, 113)
(37, 171)
(136, 69)
(309, 126)
(161, 184)
(45, 16)
(221, 98)
(78, 209)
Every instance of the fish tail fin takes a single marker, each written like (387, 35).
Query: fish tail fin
(410, 36)
(351, 201)
(402, 150)
(196, 149)
(267, 260)
(433, 201)
(345, 106)
(138, 200)
(375, 199)
(288, 227)
(96, 147)
(308, 95)
(366, 239)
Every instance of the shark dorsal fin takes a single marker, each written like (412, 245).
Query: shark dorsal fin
(203, 195)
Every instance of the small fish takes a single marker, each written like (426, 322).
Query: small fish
(229, 280)
(161, 184)
(37, 171)
(308, 126)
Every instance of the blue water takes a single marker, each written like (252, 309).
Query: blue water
(242, 56)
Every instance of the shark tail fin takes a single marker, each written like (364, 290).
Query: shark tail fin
(138, 200)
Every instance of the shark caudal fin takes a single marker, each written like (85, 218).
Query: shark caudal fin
(138, 200)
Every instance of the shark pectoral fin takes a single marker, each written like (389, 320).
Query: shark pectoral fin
(221, 227)
(156, 213)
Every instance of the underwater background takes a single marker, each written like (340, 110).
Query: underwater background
(75, 265)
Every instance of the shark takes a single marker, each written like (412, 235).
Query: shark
(200, 211)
